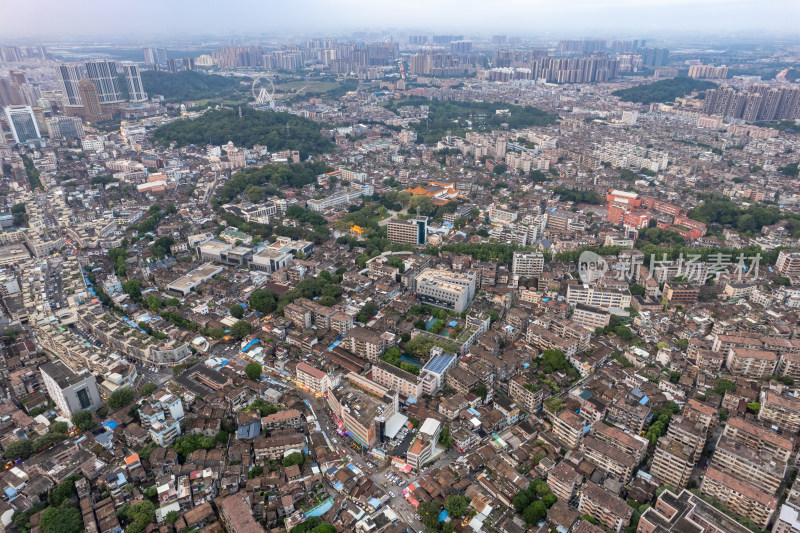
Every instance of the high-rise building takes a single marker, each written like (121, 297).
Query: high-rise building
(70, 76)
(654, 57)
(18, 77)
(133, 79)
(22, 123)
(103, 73)
(154, 56)
(9, 93)
(527, 264)
(788, 263)
(65, 127)
(412, 231)
(92, 110)
(10, 53)
(71, 392)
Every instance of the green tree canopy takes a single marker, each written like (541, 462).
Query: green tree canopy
(241, 329)
(83, 420)
(237, 311)
(121, 397)
(61, 520)
(253, 370)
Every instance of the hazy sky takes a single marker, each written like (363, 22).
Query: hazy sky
(53, 20)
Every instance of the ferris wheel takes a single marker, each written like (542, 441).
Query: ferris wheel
(263, 91)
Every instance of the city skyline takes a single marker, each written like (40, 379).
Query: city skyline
(44, 19)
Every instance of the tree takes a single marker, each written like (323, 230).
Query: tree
(19, 449)
(253, 371)
(367, 312)
(263, 300)
(61, 520)
(148, 389)
(237, 311)
(241, 329)
(325, 528)
(121, 397)
(59, 428)
(456, 505)
(754, 407)
(429, 514)
(139, 515)
(189, 443)
(83, 420)
(420, 203)
(482, 391)
(171, 517)
(636, 290)
(534, 513)
(296, 458)
(520, 501)
(725, 385)
(64, 491)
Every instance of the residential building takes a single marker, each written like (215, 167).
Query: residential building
(686, 513)
(748, 465)
(563, 481)
(133, 79)
(765, 442)
(739, 496)
(103, 74)
(781, 411)
(528, 395)
(673, 462)
(265, 448)
(688, 432)
(568, 428)
(362, 407)
(681, 293)
(527, 264)
(236, 514)
(752, 364)
(788, 263)
(421, 450)
(312, 378)
(590, 317)
(608, 458)
(392, 377)
(365, 342)
(287, 418)
(605, 298)
(702, 413)
(607, 508)
(162, 417)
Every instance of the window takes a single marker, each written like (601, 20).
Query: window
(83, 398)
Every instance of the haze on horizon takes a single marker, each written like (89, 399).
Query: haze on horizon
(85, 20)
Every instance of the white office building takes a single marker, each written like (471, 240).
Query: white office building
(71, 392)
